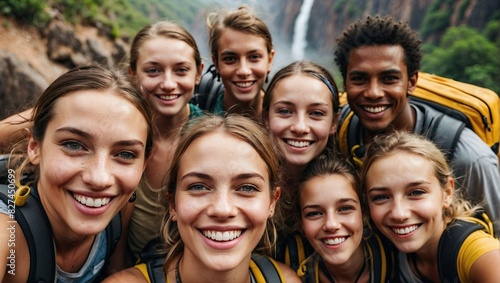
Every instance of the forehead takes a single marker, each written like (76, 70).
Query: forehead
(232, 40)
(302, 88)
(161, 48)
(328, 188)
(377, 58)
(218, 151)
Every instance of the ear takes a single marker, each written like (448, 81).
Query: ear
(199, 73)
(216, 63)
(171, 207)
(412, 83)
(333, 129)
(274, 201)
(270, 61)
(448, 192)
(131, 72)
(33, 149)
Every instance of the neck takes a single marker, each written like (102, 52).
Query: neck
(192, 271)
(167, 126)
(251, 108)
(353, 270)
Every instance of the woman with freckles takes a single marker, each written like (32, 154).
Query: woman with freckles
(242, 52)
(89, 137)
(221, 196)
(300, 109)
(413, 201)
(333, 221)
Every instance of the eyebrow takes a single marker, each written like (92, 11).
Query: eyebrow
(243, 176)
(385, 72)
(291, 103)
(88, 136)
(340, 201)
(409, 185)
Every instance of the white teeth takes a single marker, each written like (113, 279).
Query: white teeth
(91, 202)
(335, 241)
(222, 236)
(298, 143)
(168, 97)
(404, 231)
(247, 84)
(375, 109)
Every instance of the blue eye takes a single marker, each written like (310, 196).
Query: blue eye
(72, 145)
(248, 188)
(197, 187)
(127, 155)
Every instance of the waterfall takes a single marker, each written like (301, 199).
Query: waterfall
(300, 30)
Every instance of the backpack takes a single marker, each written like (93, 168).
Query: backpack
(35, 225)
(208, 89)
(477, 107)
(262, 269)
(448, 107)
(452, 239)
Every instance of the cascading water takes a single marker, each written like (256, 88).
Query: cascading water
(300, 30)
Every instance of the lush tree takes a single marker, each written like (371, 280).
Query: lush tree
(465, 54)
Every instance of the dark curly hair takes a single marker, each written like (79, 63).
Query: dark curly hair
(379, 31)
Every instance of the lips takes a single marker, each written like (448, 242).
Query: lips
(222, 236)
(168, 97)
(406, 230)
(375, 110)
(334, 241)
(244, 84)
(299, 144)
(91, 202)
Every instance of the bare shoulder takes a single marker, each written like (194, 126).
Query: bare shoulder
(128, 275)
(289, 274)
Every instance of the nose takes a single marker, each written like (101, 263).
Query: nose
(300, 125)
(243, 69)
(332, 222)
(168, 82)
(374, 90)
(98, 172)
(221, 206)
(399, 211)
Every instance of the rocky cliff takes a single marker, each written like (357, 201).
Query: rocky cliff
(329, 17)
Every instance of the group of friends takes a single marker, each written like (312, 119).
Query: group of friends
(258, 168)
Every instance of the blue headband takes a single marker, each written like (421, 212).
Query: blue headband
(332, 90)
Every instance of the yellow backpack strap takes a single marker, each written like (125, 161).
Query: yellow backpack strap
(344, 131)
(265, 269)
(142, 267)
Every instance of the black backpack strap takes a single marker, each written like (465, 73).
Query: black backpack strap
(156, 271)
(449, 245)
(440, 128)
(267, 268)
(207, 90)
(381, 253)
(35, 225)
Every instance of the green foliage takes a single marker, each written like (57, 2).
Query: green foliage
(465, 54)
(26, 11)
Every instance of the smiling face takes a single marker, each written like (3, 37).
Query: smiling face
(90, 160)
(222, 201)
(301, 118)
(167, 72)
(332, 218)
(243, 62)
(377, 87)
(406, 201)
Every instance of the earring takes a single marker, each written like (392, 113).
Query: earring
(218, 77)
(267, 79)
(133, 197)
